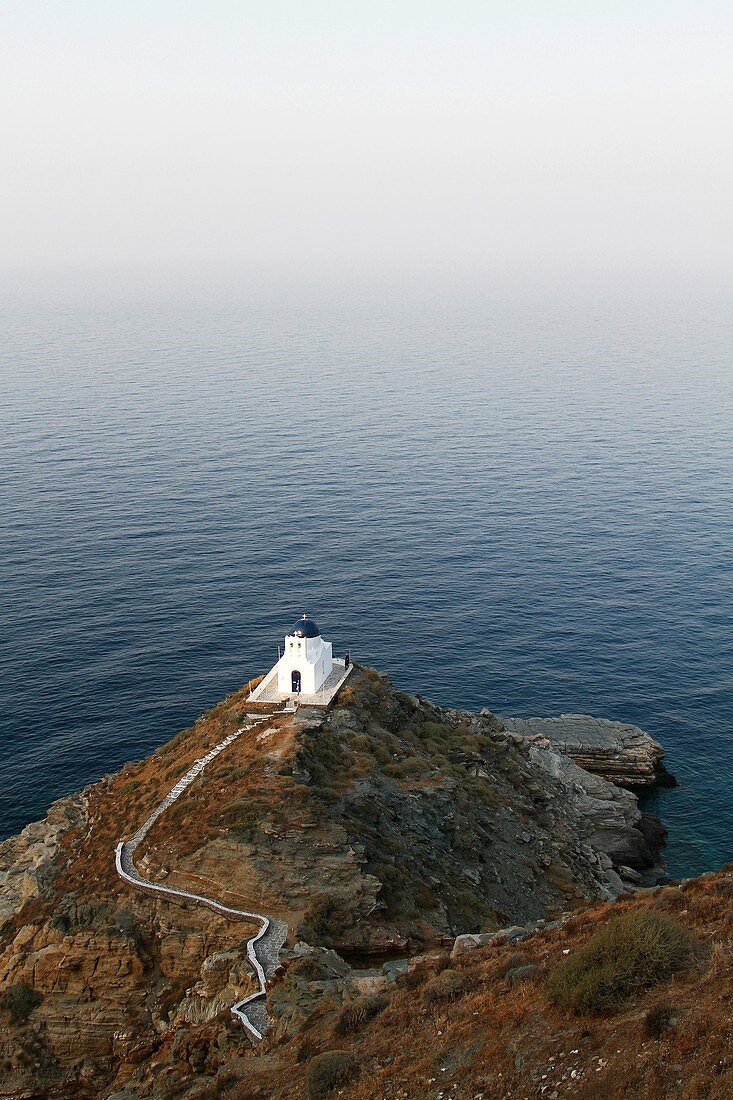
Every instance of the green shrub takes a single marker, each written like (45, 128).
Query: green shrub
(310, 969)
(18, 1001)
(657, 1020)
(629, 954)
(330, 1070)
(321, 755)
(235, 773)
(382, 755)
(358, 1013)
(243, 815)
(437, 730)
(347, 696)
(407, 768)
(415, 975)
(307, 1051)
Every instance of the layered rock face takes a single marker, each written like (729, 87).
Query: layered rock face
(27, 861)
(386, 824)
(610, 823)
(619, 752)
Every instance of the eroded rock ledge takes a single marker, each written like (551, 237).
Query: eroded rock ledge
(617, 751)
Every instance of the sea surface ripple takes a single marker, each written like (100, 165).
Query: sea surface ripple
(504, 499)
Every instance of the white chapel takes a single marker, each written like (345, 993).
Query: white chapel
(306, 671)
(307, 661)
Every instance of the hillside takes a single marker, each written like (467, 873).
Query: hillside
(381, 829)
(482, 1026)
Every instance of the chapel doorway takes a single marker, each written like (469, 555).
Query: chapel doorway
(296, 681)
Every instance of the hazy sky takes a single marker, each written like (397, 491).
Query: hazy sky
(403, 132)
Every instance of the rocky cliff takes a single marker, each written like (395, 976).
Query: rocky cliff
(385, 826)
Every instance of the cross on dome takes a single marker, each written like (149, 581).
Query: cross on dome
(306, 628)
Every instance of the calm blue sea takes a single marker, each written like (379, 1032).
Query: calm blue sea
(502, 496)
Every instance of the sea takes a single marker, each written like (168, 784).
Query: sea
(503, 494)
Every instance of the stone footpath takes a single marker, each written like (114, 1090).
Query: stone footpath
(263, 949)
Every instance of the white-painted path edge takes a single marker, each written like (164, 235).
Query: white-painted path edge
(124, 862)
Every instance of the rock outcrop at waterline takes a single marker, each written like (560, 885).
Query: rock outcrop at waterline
(386, 824)
(621, 753)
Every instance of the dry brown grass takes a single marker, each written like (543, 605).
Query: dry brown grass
(670, 1040)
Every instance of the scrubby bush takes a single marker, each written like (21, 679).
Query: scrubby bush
(234, 773)
(346, 696)
(411, 979)
(321, 755)
(324, 919)
(307, 1051)
(329, 1071)
(243, 815)
(517, 958)
(418, 973)
(358, 1013)
(309, 968)
(18, 1001)
(445, 986)
(657, 1020)
(629, 954)
(518, 974)
(410, 767)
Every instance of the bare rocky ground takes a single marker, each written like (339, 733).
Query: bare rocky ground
(385, 827)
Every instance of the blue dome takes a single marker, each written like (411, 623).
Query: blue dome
(305, 628)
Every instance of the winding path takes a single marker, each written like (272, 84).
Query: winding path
(263, 948)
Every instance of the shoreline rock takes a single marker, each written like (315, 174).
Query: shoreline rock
(612, 828)
(27, 860)
(617, 751)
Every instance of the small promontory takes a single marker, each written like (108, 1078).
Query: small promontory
(374, 831)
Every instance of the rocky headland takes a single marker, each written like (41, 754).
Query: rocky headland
(381, 831)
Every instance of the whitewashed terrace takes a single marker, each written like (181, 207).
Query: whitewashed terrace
(266, 691)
